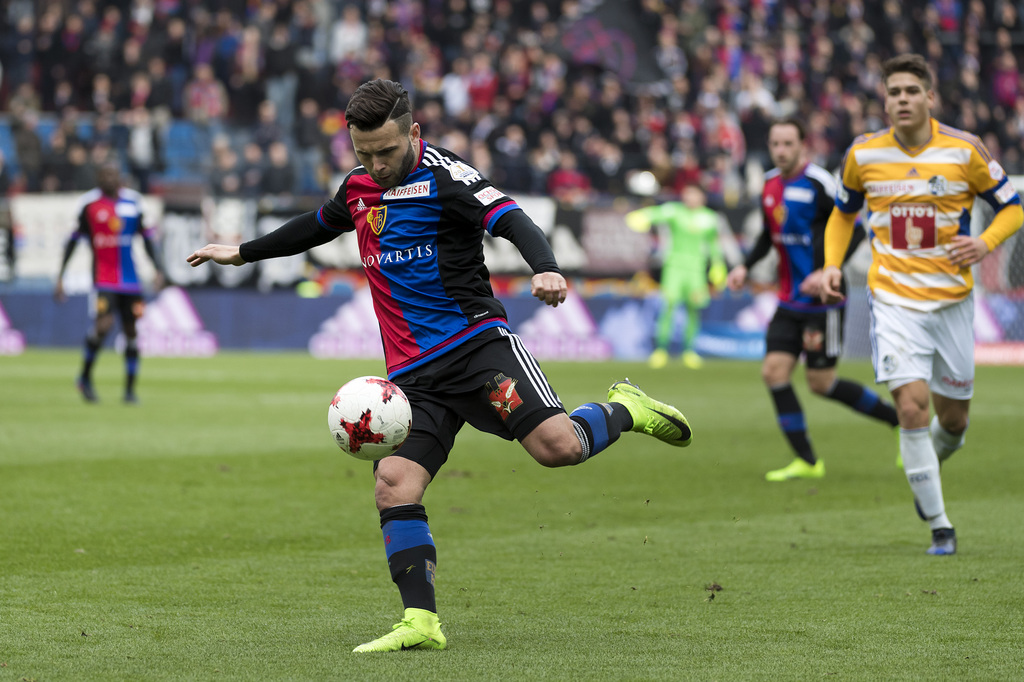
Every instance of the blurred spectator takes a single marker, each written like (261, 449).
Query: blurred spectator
(206, 100)
(252, 169)
(567, 184)
(28, 147)
(310, 143)
(281, 74)
(268, 129)
(279, 176)
(144, 148)
(226, 178)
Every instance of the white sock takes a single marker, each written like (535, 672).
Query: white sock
(921, 465)
(944, 442)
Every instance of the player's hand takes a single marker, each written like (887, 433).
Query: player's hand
(831, 283)
(58, 291)
(549, 287)
(811, 286)
(222, 254)
(965, 251)
(737, 278)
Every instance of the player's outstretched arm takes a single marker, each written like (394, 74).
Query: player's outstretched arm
(549, 287)
(222, 254)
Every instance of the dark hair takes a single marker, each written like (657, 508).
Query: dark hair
(801, 131)
(913, 64)
(376, 102)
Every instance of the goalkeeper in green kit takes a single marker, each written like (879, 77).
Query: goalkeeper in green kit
(693, 231)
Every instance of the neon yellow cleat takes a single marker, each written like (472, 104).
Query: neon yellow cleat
(798, 468)
(420, 629)
(654, 418)
(692, 360)
(658, 359)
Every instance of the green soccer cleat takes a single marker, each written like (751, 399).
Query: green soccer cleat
(654, 418)
(798, 468)
(692, 360)
(420, 629)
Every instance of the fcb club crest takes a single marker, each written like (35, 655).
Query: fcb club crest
(503, 395)
(376, 217)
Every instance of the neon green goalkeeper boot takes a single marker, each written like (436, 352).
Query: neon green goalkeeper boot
(654, 418)
(798, 468)
(419, 629)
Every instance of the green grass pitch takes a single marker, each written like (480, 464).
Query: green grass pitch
(215, 532)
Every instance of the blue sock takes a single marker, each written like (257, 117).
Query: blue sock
(598, 425)
(411, 554)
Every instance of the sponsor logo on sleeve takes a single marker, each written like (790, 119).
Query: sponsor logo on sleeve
(488, 195)
(462, 172)
(1006, 193)
(995, 170)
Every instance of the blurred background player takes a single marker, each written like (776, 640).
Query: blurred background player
(692, 229)
(109, 219)
(920, 179)
(796, 202)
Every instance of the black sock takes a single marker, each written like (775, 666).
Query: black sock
(131, 365)
(864, 400)
(790, 417)
(89, 353)
(411, 554)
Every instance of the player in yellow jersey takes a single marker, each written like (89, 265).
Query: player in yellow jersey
(919, 179)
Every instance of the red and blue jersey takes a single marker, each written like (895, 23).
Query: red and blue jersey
(795, 211)
(110, 225)
(421, 246)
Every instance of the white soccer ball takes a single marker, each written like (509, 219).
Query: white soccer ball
(369, 418)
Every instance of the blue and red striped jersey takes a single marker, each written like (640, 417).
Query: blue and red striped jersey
(795, 211)
(110, 225)
(421, 246)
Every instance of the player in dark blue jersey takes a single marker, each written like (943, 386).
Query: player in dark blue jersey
(419, 213)
(109, 218)
(796, 202)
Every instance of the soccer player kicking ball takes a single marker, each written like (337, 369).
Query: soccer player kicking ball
(796, 202)
(420, 213)
(920, 179)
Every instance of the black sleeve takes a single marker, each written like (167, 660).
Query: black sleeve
(72, 242)
(519, 228)
(299, 234)
(855, 240)
(153, 251)
(761, 248)
(825, 203)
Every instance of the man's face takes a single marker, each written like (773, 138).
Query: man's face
(907, 102)
(387, 154)
(785, 148)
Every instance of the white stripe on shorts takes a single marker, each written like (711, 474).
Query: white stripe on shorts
(532, 370)
(833, 333)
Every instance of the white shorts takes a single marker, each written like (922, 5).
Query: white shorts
(938, 347)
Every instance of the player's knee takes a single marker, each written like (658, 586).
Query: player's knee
(562, 451)
(819, 385)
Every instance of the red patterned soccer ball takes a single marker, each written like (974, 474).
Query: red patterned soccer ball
(369, 418)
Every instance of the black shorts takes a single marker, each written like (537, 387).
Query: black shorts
(491, 382)
(128, 307)
(819, 335)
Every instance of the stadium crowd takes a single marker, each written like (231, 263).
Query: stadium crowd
(265, 84)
